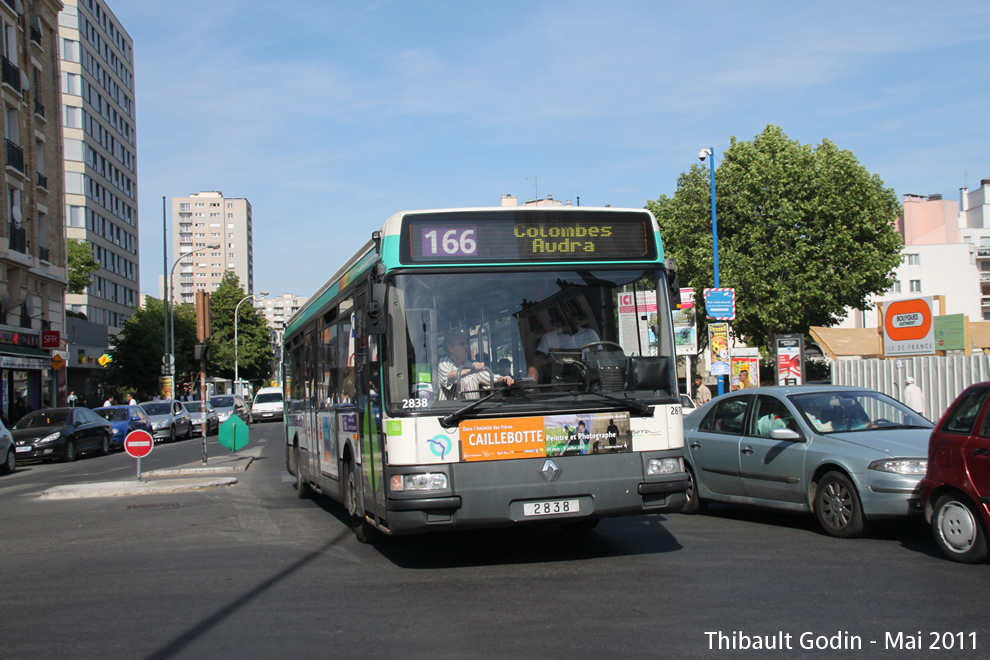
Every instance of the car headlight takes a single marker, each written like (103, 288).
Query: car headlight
(425, 481)
(223, 415)
(161, 425)
(901, 465)
(657, 466)
(51, 437)
(117, 431)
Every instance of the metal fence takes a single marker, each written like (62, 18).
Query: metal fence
(941, 379)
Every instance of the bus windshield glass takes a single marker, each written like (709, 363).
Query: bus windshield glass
(586, 337)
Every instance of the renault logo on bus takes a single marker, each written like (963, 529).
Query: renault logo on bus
(550, 470)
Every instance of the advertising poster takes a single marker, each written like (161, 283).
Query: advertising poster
(538, 437)
(745, 373)
(637, 314)
(328, 443)
(685, 325)
(718, 347)
(165, 385)
(789, 350)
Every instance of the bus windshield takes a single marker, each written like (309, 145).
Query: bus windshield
(542, 336)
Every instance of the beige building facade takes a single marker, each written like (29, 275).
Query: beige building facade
(100, 138)
(33, 271)
(211, 234)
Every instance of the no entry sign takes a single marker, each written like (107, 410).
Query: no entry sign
(138, 444)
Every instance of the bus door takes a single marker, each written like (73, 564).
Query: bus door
(368, 398)
(309, 438)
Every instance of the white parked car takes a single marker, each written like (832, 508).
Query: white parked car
(267, 404)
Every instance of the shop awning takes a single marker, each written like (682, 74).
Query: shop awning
(24, 351)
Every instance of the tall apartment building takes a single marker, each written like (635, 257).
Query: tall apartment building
(279, 310)
(32, 235)
(99, 127)
(209, 219)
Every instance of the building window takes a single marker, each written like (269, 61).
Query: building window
(984, 241)
(897, 287)
(967, 239)
(915, 286)
(914, 259)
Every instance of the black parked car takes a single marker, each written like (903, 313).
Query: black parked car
(60, 433)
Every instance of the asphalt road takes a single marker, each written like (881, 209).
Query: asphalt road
(251, 571)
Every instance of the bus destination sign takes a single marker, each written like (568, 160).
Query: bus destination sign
(469, 237)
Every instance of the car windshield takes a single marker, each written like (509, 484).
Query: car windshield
(162, 408)
(41, 418)
(839, 411)
(270, 397)
(222, 401)
(195, 406)
(112, 414)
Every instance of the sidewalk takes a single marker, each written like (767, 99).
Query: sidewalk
(192, 476)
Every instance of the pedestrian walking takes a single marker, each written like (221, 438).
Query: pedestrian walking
(72, 399)
(702, 394)
(914, 397)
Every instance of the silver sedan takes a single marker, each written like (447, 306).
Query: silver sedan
(848, 455)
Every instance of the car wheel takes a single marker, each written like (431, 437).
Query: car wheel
(958, 531)
(692, 503)
(171, 433)
(837, 507)
(70, 451)
(303, 491)
(9, 463)
(105, 445)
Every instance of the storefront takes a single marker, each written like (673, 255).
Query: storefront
(25, 375)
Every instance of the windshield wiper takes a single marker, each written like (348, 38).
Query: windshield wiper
(453, 418)
(632, 405)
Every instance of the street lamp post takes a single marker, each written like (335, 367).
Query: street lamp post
(237, 307)
(710, 154)
(170, 357)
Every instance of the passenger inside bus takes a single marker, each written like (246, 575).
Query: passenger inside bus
(566, 334)
(458, 376)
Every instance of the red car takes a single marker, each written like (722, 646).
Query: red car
(956, 487)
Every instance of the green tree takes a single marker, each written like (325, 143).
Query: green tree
(803, 233)
(82, 265)
(255, 357)
(140, 346)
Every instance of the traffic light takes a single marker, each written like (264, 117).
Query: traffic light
(204, 316)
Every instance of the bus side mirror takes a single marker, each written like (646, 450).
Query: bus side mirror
(375, 317)
(673, 284)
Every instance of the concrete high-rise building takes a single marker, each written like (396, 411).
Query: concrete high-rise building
(99, 126)
(33, 261)
(209, 219)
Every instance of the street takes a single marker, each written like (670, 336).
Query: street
(252, 571)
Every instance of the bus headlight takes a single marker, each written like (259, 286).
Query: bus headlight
(657, 466)
(426, 481)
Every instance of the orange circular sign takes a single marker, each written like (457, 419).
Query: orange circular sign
(907, 320)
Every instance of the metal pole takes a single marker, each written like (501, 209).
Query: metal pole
(202, 399)
(711, 166)
(167, 370)
(236, 309)
(171, 318)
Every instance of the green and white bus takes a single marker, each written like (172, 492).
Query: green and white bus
(490, 367)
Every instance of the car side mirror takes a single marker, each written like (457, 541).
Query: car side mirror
(788, 435)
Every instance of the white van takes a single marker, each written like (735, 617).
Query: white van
(267, 404)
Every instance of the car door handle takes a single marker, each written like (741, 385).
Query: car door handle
(747, 450)
(981, 452)
(695, 445)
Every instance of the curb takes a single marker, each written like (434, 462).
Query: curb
(125, 488)
(192, 471)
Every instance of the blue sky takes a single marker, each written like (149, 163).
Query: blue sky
(329, 116)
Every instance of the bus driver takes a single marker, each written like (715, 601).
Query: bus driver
(458, 375)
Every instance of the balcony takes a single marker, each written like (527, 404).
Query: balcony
(43, 253)
(985, 276)
(15, 156)
(18, 238)
(983, 252)
(42, 181)
(36, 35)
(39, 109)
(11, 74)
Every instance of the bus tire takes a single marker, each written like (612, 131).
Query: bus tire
(303, 491)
